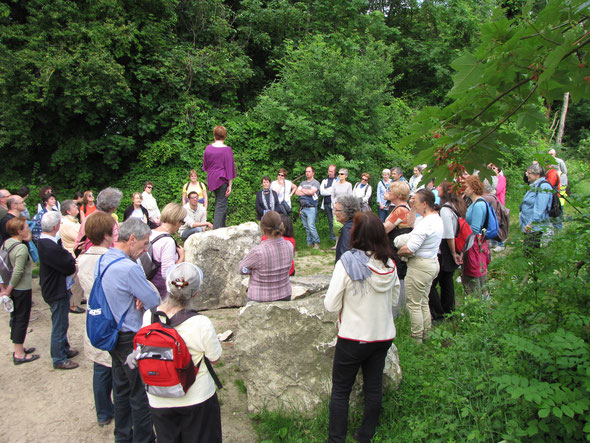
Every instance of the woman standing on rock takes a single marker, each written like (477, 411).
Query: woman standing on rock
(269, 263)
(363, 289)
(218, 162)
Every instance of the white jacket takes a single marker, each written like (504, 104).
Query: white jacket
(366, 308)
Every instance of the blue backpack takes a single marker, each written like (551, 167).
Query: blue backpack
(101, 327)
(490, 224)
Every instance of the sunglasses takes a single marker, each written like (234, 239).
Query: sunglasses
(341, 173)
(281, 175)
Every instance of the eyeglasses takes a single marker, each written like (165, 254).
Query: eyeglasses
(364, 178)
(90, 195)
(194, 197)
(149, 187)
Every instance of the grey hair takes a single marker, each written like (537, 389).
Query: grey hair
(108, 199)
(344, 171)
(386, 171)
(133, 226)
(66, 206)
(398, 170)
(350, 205)
(50, 220)
(536, 168)
(488, 186)
(182, 282)
(552, 151)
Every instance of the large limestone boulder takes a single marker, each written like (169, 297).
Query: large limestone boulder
(218, 253)
(285, 352)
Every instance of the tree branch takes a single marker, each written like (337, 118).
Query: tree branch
(495, 128)
(505, 93)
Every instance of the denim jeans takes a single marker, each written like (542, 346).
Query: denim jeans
(330, 214)
(188, 232)
(60, 321)
(102, 385)
(133, 421)
(308, 216)
(350, 355)
(220, 207)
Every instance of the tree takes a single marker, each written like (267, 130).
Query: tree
(521, 64)
(330, 98)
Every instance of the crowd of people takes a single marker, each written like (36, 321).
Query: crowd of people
(384, 263)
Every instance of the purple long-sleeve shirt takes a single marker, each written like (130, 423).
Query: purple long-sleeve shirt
(218, 162)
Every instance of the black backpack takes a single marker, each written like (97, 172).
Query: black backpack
(146, 260)
(556, 209)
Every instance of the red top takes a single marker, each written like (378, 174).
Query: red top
(552, 176)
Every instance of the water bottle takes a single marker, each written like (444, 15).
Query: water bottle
(7, 303)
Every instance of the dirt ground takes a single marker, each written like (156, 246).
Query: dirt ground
(41, 404)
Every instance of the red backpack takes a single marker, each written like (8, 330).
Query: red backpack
(464, 238)
(164, 361)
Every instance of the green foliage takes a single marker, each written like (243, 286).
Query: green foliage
(519, 63)
(516, 368)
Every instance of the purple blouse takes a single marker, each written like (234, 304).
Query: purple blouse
(219, 164)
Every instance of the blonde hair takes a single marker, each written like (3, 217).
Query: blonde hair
(173, 213)
(400, 190)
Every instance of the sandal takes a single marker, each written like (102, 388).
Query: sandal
(20, 361)
(29, 350)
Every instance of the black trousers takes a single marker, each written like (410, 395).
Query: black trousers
(443, 303)
(220, 207)
(351, 355)
(19, 318)
(197, 423)
(133, 421)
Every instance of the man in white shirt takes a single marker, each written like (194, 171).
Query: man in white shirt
(562, 168)
(196, 217)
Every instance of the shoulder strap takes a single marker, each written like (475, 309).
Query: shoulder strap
(159, 237)
(108, 266)
(181, 316)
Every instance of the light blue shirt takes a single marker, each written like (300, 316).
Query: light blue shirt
(476, 215)
(535, 206)
(382, 187)
(122, 284)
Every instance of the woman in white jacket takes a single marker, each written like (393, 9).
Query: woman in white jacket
(364, 289)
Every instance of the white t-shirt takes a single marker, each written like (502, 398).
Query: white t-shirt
(283, 192)
(200, 338)
(450, 221)
(426, 236)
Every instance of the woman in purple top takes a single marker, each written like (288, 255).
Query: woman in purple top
(218, 162)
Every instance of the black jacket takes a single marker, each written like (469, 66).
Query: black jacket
(55, 265)
(260, 205)
(130, 210)
(343, 244)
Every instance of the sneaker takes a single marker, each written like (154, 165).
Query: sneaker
(316, 246)
(499, 248)
(68, 364)
(72, 353)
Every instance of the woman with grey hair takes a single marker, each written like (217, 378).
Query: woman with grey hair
(344, 209)
(108, 201)
(196, 416)
(534, 209)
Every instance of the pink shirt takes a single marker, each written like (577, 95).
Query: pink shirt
(501, 189)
